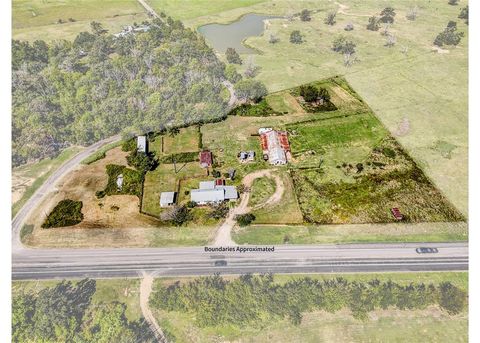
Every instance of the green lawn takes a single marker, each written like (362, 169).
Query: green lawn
(39, 172)
(430, 325)
(326, 234)
(35, 19)
(285, 211)
(194, 235)
(261, 190)
(185, 141)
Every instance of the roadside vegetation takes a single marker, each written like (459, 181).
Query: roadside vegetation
(28, 178)
(86, 310)
(100, 154)
(234, 308)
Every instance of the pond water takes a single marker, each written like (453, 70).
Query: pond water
(223, 36)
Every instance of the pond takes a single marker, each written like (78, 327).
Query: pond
(223, 36)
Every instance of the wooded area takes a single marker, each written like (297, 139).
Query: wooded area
(67, 93)
(252, 299)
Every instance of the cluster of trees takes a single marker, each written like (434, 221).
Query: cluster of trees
(251, 299)
(98, 85)
(232, 56)
(65, 313)
(132, 181)
(310, 93)
(449, 36)
(66, 213)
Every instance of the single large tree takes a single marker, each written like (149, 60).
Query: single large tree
(387, 15)
(296, 37)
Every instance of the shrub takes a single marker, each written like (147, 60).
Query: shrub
(141, 161)
(373, 24)
(66, 213)
(245, 219)
(348, 27)
(452, 299)
(219, 211)
(129, 144)
(177, 215)
(305, 15)
(330, 18)
(26, 230)
(132, 181)
(260, 109)
(181, 157)
(390, 153)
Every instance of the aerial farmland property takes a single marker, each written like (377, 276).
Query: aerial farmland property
(155, 139)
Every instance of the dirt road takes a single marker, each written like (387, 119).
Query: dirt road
(223, 236)
(145, 290)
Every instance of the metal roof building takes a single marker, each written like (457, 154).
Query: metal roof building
(206, 196)
(276, 154)
(209, 193)
(167, 199)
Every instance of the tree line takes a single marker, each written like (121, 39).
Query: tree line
(79, 92)
(252, 299)
(66, 313)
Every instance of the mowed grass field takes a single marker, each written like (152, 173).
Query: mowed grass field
(429, 325)
(38, 19)
(352, 233)
(419, 94)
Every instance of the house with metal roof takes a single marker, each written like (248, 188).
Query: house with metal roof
(142, 144)
(209, 192)
(167, 199)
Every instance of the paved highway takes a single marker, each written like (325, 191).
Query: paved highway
(111, 263)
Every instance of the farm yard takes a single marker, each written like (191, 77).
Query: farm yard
(345, 168)
(405, 84)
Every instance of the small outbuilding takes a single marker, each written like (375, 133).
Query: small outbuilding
(119, 182)
(142, 144)
(206, 159)
(167, 199)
